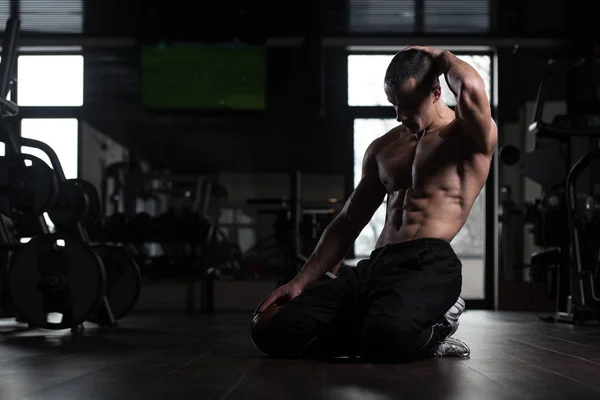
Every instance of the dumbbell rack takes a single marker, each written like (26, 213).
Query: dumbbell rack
(136, 229)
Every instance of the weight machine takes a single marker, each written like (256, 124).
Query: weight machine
(562, 163)
(56, 280)
(294, 222)
(180, 237)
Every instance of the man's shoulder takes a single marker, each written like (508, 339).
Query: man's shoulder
(396, 133)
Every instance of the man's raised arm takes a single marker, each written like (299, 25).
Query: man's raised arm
(473, 110)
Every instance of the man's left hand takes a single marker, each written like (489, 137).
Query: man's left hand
(433, 52)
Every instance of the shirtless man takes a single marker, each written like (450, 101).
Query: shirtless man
(403, 302)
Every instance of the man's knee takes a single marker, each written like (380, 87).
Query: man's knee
(387, 343)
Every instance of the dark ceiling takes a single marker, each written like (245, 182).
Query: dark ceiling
(188, 141)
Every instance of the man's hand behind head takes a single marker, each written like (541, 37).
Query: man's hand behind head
(433, 52)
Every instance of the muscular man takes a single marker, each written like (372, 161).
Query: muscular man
(403, 302)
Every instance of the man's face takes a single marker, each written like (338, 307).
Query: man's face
(412, 103)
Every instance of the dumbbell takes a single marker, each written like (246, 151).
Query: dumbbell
(259, 328)
(261, 321)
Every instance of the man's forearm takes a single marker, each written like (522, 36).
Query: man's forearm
(332, 247)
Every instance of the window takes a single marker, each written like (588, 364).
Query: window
(365, 80)
(427, 16)
(382, 16)
(456, 16)
(50, 80)
(42, 16)
(365, 131)
(365, 88)
(61, 135)
(366, 74)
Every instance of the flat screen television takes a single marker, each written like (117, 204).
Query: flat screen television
(203, 77)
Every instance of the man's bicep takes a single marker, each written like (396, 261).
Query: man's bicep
(474, 113)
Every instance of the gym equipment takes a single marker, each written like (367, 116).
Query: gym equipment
(592, 208)
(259, 327)
(584, 298)
(56, 280)
(7, 235)
(94, 204)
(141, 225)
(123, 282)
(78, 201)
(510, 227)
(59, 273)
(28, 185)
(56, 274)
(129, 186)
(47, 277)
(563, 227)
(114, 228)
(179, 242)
(296, 230)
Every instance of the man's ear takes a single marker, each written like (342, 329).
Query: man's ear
(436, 93)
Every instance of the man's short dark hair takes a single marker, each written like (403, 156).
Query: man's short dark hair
(412, 63)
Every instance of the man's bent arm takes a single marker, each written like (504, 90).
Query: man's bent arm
(347, 225)
(333, 245)
(472, 105)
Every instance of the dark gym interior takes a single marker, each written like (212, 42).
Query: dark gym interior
(194, 153)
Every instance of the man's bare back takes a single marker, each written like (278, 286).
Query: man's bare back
(431, 182)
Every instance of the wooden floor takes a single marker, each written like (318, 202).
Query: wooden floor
(171, 356)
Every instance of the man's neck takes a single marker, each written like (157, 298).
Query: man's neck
(444, 115)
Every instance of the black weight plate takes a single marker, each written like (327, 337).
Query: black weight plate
(70, 207)
(31, 186)
(56, 273)
(123, 280)
(93, 211)
(78, 201)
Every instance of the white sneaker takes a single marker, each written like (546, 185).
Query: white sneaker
(452, 347)
(453, 313)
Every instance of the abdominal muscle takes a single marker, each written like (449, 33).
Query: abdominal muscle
(418, 214)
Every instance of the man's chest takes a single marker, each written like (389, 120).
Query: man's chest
(403, 162)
